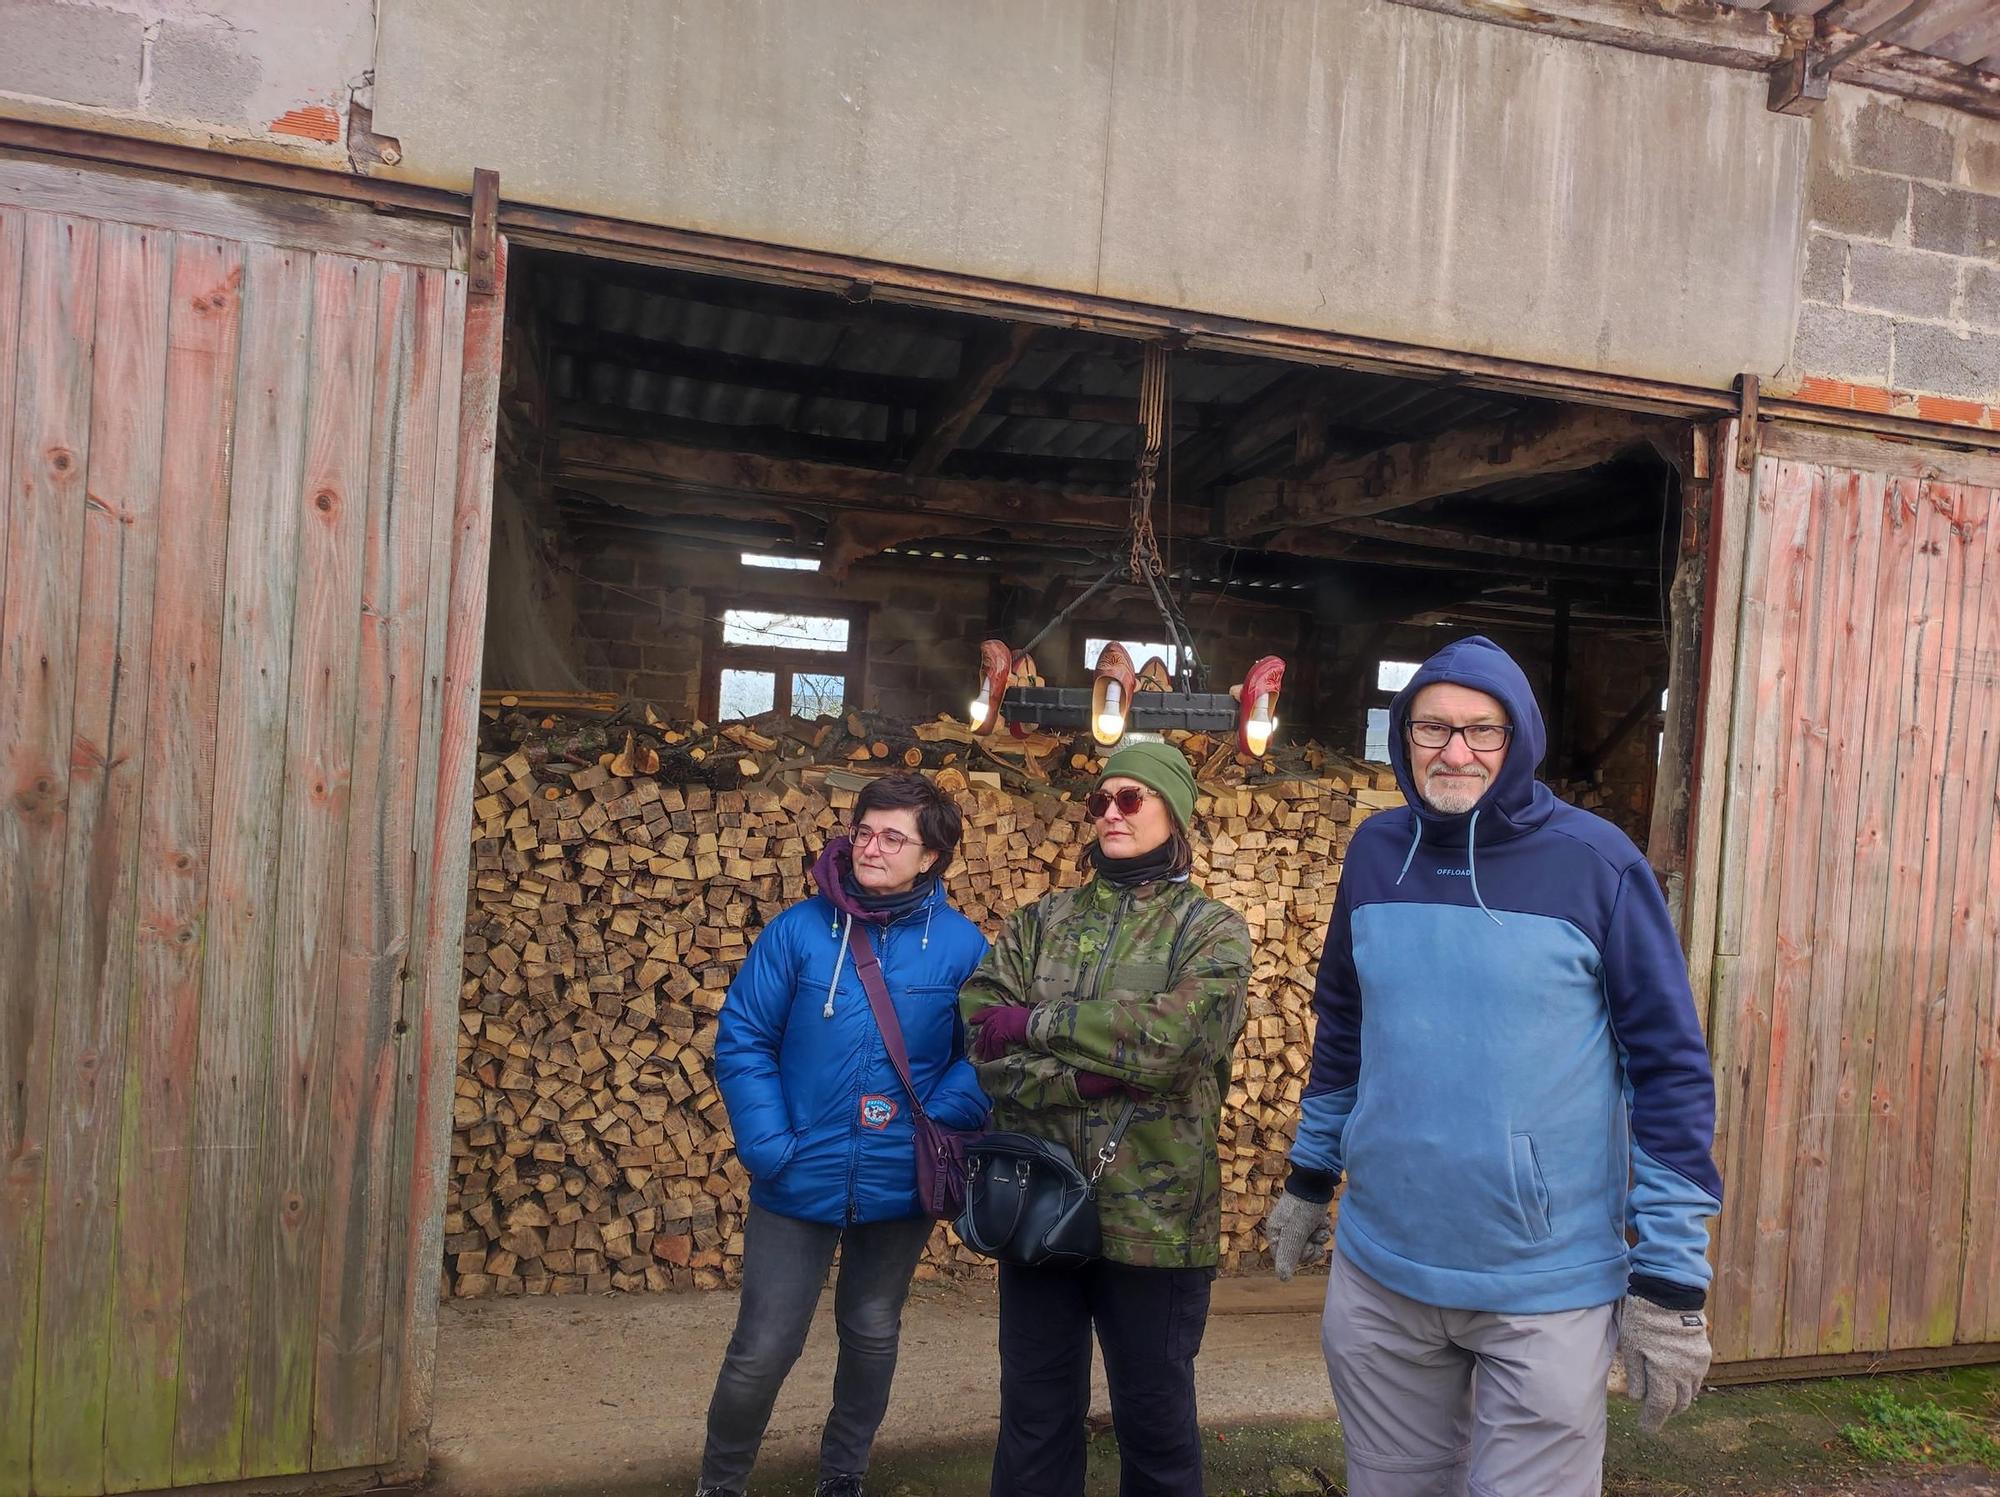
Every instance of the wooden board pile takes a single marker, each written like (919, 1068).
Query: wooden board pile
(609, 911)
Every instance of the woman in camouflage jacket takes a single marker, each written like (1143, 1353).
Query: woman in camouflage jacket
(1131, 988)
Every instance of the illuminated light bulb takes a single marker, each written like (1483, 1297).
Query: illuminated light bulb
(976, 713)
(1262, 724)
(1111, 721)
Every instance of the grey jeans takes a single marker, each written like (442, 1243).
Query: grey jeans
(784, 1268)
(1465, 1403)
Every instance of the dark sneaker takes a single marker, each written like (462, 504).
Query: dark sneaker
(838, 1486)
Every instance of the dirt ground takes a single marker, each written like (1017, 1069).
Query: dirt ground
(605, 1397)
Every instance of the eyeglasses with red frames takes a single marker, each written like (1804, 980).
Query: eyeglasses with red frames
(1127, 798)
(892, 841)
(1481, 738)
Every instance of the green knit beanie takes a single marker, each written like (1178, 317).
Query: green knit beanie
(1159, 767)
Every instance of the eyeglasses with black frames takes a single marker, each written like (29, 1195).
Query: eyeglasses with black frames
(1481, 738)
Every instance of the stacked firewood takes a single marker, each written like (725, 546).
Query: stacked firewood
(611, 905)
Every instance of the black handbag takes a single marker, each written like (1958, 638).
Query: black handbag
(1027, 1203)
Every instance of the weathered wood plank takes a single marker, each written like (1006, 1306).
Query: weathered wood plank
(13, 257)
(377, 884)
(120, 537)
(254, 216)
(289, 1179)
(1730, 517)
(1735, 1039)
(1979, 1288)
(1798, 779)
(1873, 764)
(1897, 1051)
(434, 1022)
(1750, 918)
(1959, 965)
(1925, 1295)
(414, 1266)
(1846, 638)
(1888, 458)
(1929, 734)
(246, 842)
(182, 673)
(41, 554)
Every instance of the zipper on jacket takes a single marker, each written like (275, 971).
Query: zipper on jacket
(1097, 987)
(861, 1090)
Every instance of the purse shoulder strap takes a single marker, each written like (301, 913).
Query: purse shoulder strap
(1109, 1150)
(1194, 908)
(877, 988)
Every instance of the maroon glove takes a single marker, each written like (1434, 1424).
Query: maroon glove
(998, 1029)
(1093, 1087)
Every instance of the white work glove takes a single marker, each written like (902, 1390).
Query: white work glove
(1664, 1355)
(1297, 1231)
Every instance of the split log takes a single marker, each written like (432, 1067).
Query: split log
(608, 913)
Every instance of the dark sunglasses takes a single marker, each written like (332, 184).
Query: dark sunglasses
(1128, 799)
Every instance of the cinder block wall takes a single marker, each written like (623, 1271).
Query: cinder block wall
(1901, 274)
(272, 75)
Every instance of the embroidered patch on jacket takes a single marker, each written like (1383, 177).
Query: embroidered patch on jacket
(877, 1111)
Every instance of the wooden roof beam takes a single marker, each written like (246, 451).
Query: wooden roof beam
(987, 360)
(630, 466)
(1533, 554)
(827, 382)
(1754, 40)
(1468, 457)
(1720, 37)
(1282, 411)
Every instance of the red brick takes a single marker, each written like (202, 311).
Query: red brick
(1956, 412)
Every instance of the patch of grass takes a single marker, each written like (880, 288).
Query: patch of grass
(1919, 1432)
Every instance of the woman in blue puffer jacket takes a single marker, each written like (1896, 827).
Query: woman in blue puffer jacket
(824, 1125)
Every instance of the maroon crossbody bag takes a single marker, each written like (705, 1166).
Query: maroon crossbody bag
(940, 1149)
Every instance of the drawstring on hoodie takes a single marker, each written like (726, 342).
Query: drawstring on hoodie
(843, 923)
(1410, 856)
(1471, 868)
(839, 960)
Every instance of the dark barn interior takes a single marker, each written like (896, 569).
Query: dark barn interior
(935, 478)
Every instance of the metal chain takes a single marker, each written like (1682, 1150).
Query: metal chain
(1144, 562)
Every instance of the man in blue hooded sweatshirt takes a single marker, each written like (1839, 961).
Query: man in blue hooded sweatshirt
(1509, 1071)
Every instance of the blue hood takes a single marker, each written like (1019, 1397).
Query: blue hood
(1516, 802)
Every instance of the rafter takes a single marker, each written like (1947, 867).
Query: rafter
(987, 361)
(823, 382)
(1534, 553)
(1406, 473)
(633, 466)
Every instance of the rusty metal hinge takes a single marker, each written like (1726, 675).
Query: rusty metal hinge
(485, 232)
(1746, 422)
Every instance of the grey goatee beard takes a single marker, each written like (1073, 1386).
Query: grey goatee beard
(1454, 795)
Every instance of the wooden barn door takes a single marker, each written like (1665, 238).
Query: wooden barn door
(245, 448)
(1847, 932)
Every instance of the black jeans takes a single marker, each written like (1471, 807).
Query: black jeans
(1149, 1323)
(784, 1268)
